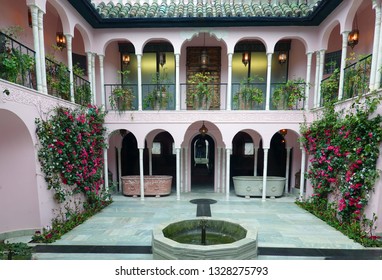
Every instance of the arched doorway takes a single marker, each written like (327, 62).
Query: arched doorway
(129, 155)
(202, 162)
(163, 155)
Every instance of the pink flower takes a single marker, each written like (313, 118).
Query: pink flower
(370, 134)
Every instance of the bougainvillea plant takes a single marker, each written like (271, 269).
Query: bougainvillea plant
(343, 149)
(71, 151)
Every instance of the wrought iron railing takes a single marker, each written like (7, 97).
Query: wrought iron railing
(206, 97)
(17, 62)
(158, 96)
(357, 78)
(282, 98)
(121, 97)
(248, 96)
(82, 91)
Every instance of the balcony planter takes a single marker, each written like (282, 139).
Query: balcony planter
(122, 99)
(248, 95)
(288, 95)
(330, 86)
(200, 91)
(159, 97)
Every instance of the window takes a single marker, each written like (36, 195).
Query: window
(157, 148)
(248, 149)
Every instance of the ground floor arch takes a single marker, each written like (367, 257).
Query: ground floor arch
(18, 184)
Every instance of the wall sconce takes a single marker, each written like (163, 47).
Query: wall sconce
(282, 57)
(29, 17)
(203, 130)
(353, 36)
(246, 58)
(126, 59)
(283, 131)
(60, 40)
(162, 59)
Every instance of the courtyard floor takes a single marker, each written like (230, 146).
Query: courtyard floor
(123, 229)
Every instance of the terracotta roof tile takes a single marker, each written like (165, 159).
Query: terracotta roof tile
(206, 8)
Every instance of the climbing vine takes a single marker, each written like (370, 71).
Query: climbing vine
(71, 151)
(344, 148)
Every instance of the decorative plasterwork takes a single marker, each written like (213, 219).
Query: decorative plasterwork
(12, 93)
(212, 116)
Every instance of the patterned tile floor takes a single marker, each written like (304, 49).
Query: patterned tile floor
(129, 221)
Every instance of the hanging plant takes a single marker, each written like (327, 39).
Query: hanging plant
(71, 151)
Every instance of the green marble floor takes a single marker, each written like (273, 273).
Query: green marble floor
(129, 221)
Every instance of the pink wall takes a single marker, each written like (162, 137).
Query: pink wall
(18, 189)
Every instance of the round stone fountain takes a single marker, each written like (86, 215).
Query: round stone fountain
(204, 239)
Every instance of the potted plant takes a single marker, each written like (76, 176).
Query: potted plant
(248, 94)
(159, 97)
(289, 94)
(200, 90)
(82, 92)
(122, 97)
(330, 86)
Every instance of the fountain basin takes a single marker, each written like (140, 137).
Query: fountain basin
(154, 185)
(242, 244)
(253, 186)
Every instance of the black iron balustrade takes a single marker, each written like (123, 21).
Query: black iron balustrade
(357, 78)
(82, 91)
(203, 97)
(121, 97)
(248, 96)
(294, 100)
(17, 62)
(158, 96)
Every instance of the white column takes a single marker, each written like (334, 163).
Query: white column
(102, 79)
(228, 161)
(321, 74)
(119, 150)
(150, 161)
(268, 90)
(343, 64)
(377, 84)
(218, 177)
(287, 169)
(265, 171)
(177, 151)
(139, 62)
(90, 75)
(182, 170)
(255, 152)
(94, 78)
(42, 51)
(70, 64)
(141, 173)
(36, 45)
(105, 170)
(374, 73)
(229, 83)
(308, 74)
(223, 170)
(317, 80)
(186, 169)
(177, 82)
(302, 176)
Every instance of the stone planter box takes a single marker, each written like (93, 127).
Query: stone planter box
(154, 185)
(253, 186)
